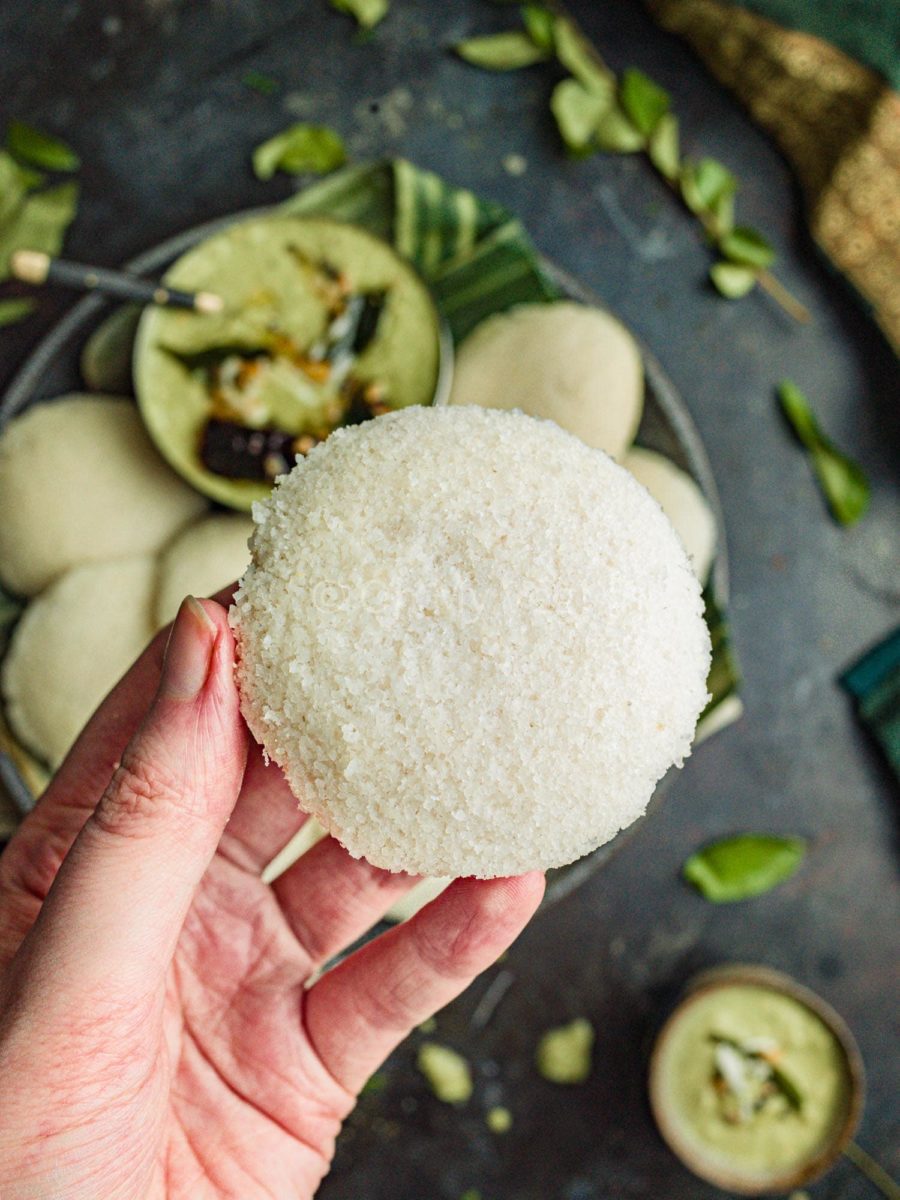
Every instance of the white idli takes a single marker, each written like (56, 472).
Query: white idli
(201, 560)
(681, 500)
(70, 646)
(473, 643)
(575, 365)
(80, 481)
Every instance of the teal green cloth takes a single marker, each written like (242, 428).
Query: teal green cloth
(874, 682)
(869, 30)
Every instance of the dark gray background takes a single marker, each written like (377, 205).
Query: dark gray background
(151, 94)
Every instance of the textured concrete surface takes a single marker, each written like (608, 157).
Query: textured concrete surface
(151, 94)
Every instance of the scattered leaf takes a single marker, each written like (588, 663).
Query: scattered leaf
(15, 310)
(746, 246)
(498, 1119)
(663, 147)
(40, 223)
(578, 110)
(13, 186)
(704, 182)
(106, 360)
(616, 132)
(257, 81)
(842, 481)
(299, 148)
(501, 51)
(564, 1054)
(644, 101)
(575, 54)
(731, 280)
(739, 867)
(447, 1072)
(40, 149)
(721, 212)
(367, 12)
(375, 1083)
(539, 22)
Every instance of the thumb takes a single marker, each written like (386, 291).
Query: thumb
(115, 911)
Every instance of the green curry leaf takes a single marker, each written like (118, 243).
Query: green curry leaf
(574, 53)
(501, 51)
(617, 132)
(644, 101)
(747, 247)
(258, 81)
(15, 310)
(739, 867)
(578, 111)
(732, 280)
(663, 147)
(39, 223)
(300, 148)
(704, 183)
(539, 22)
(843, 483)
(40, 149)
(367, 12)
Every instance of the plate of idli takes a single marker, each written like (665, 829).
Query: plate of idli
(104, 528)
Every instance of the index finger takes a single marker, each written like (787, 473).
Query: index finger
(36, 851)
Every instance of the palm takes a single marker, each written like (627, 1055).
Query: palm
(237, 1050)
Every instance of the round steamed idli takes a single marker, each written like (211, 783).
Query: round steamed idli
(80, 481)
(575, 365)
(681, 500)
(71, 645)
(202, 559)
(473, 643)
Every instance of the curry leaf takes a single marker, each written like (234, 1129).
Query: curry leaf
(732, 280)
(13, 187)
(644, 101)
(578, 110)
(299, 148)
(367, 12)
(843, 483)
(40, 149)
(574, 53)
(501, 51)
(663, 147)
(259, 82)
(40, 223)
(703, 183)
(15, 310)
(746, 246)
(539, 22)
(743, 866)
(615, 131)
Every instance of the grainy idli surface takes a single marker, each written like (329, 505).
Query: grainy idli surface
(80, 481)
(473, 643)
(72, 644)
(572, 364)
(681, 500)
(202, 559)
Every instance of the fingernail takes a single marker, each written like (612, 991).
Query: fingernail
(189, 651)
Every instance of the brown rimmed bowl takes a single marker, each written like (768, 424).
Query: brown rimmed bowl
(808, 1170)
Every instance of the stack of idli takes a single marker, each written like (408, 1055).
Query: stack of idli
(104, 540)
(580, 367)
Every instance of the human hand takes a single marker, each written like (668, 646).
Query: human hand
(157, 1037)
